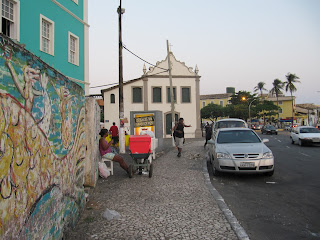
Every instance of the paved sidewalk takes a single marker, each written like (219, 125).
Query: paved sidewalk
(174, 204)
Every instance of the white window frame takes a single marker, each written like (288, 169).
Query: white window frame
(280, 110)
(280, 102)
(75, 1)
(203, 104)
(16, 19)
(221, 103)
(70, 34)
(51, 45)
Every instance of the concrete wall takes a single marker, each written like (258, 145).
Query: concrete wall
(42, 147)
(92, 139)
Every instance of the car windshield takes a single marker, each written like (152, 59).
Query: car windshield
(237, 136)
(270, 127)
(309, 130)
(231, 124)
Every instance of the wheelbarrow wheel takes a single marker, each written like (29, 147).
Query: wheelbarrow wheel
(150, 170)
(130, 171)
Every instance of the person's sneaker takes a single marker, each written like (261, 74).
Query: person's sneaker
(179, 154)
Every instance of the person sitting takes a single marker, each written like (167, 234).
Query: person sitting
(105, 150)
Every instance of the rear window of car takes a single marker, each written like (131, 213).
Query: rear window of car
(237, 136)
(309, 130)
(270, 127)
(231, 124)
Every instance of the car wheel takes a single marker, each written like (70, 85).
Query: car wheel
(292, 141)
(269, 174)
(300, 142)
(276, 133)
(215, 172)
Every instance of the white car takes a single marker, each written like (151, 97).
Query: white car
(305, 135)
(240, 150)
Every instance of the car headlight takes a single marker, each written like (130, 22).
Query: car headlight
(223, 155)
(267, 155)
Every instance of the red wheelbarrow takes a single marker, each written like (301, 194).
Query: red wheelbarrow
(140, 152)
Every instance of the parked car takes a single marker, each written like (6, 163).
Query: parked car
(255, 126)
(305, 135)
(228, 123)
(269, 129)
(318, 126)
(240, 150)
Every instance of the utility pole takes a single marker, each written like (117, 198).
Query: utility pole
(171, 92)
(121, 107)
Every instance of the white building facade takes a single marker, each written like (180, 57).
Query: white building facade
(151, 92)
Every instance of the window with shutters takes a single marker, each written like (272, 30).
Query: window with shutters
(112, 98)
(169, 95)
(73, 49)
(185, 93)
(137, 94)
(46, 35)
(10, 18)
(156, 95)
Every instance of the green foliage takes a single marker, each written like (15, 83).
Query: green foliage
(212, 111)
(237, 98)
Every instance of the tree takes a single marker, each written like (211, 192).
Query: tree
(212, 112)
(291, 79)
(268, 108)
(276, 90)
(241, 97)
(260, 87)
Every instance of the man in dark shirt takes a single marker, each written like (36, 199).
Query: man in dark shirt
(208, 129)
(179, 134)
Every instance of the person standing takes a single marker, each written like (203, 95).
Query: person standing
(115, 133)
(179, 134)
(208, 129)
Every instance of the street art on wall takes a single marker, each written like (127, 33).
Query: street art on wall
(42, 146)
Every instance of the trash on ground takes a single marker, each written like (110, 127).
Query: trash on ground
(103, 170)
(271, 182)
(111, 214)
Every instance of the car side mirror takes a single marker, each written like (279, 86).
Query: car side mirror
(210, 141)
(265, 140)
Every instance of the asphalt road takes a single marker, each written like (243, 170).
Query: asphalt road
(284, 206)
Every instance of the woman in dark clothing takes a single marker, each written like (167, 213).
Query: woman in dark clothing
(208, 129)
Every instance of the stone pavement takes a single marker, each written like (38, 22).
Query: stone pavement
(174, 204)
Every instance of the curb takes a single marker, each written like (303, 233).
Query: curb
(237, 228)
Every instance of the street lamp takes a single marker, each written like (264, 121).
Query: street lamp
(249, 108)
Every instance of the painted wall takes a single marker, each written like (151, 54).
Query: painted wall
(92, 138)
(206, 102)
(42, 147)
(30, 33)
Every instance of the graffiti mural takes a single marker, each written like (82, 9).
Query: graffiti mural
(42, 147)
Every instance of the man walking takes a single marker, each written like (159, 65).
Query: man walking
(115, 133)
(208, 129)
(179, 134)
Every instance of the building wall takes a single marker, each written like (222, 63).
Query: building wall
(214, 101)
(43, 147)
(30, 33)
(185, 110)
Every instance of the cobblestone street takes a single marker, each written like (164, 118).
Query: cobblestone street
(174, 204)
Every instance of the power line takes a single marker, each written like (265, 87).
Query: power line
(142, 58)
(127, 81)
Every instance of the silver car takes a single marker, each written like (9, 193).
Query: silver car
(305, 135)
(240, 150)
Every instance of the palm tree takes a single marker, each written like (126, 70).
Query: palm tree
(260, 87)
(291, 79)
(276, 90)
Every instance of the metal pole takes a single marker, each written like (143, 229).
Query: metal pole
(249, 109)
(171, 91)
(121, 107)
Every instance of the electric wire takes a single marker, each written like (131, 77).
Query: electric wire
(105, 85)
(142, 58)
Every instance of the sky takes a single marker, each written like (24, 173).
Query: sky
(234, 43)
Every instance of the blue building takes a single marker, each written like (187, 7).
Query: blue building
(55, 30)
